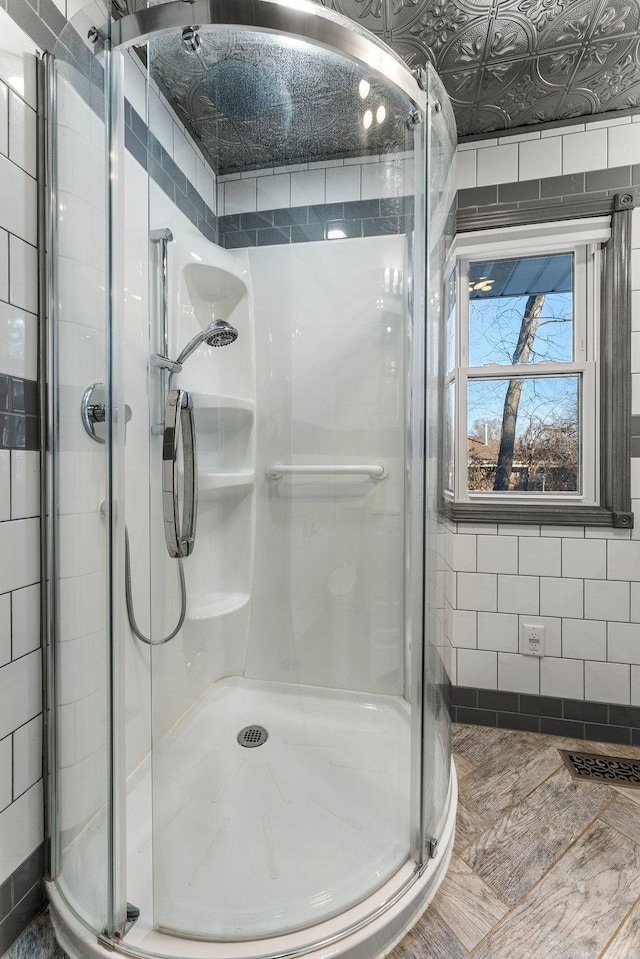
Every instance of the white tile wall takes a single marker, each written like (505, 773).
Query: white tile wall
(583, 584)
(307, 184)
(540, 158)
(496, 554)
(595, 145)
(477, 667)
(20, 663)
(519, 594)
(498, 631)
(584, 639)
(477, 591)
(540, 556)
(590, 621)
(607, 683)
(519, 674)
(563, 678)
(584, 151)
(498, 164)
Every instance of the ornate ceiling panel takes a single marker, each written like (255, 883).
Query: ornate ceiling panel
(504, 63)
(509, 63)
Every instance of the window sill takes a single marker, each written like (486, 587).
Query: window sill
(523, 514)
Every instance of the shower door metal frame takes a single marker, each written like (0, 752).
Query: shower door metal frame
(299, 19)
(47, 221)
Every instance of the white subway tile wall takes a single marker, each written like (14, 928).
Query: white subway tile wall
(590, 621)
(597, 145)
(21, 827)
(582, 584)
(308, 184)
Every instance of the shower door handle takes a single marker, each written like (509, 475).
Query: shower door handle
(179, 426)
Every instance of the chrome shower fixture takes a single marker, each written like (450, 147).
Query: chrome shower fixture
(218, 333)
(191, 39)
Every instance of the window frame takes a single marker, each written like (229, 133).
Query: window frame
(606, 223)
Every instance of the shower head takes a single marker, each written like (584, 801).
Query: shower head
(218, 333)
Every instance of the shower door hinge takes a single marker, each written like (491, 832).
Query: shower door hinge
(433, 848)
(420, 75)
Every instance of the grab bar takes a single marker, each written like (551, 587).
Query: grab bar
(179, 424)
(376, 471)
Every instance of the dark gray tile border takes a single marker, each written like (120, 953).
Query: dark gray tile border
(614, 178)
(528, 724)
(21, 898)
(492, 699)
(585, 712)
(600, 722)
(324, 221)
(477, 196)
(568, 185)
(19, 414)
(28, 20)
(164, 171)
(520, 191)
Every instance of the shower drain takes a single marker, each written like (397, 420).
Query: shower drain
(252, 736)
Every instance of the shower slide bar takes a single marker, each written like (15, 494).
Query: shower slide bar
(376, 471)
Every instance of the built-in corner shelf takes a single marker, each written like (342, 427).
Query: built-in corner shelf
(216, 287)
(222, 413)
(210, 485)
(216, 403)
(217, 604)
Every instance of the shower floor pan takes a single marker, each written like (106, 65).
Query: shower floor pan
(250, 841)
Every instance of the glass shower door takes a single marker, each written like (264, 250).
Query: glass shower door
(84, 443)
(285, 709)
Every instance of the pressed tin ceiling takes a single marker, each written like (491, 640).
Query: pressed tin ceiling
(504, 63)
(509, 63)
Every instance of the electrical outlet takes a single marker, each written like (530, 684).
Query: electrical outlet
(532, 639)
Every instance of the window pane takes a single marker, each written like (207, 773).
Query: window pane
(523, 435)
(448, 455)
(450, 313)
(521, 311)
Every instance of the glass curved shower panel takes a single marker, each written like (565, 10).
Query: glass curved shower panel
(81, 469)
(295, 638)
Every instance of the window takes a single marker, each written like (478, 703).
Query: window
(521, 362)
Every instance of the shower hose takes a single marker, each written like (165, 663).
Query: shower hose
(130, 613)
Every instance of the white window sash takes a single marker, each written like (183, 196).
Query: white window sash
(582, 238)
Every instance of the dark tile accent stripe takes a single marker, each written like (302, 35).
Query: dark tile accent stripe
(162, 168)
(19, 414)
(44, 23)
(600, 722)
(529, 194)
(323, 221)
(21, 898)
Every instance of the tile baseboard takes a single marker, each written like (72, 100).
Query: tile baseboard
(21, 900)
(599, 722)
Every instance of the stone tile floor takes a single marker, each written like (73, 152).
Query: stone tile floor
(544, 866)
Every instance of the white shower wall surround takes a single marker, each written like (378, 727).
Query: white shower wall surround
(583, 584)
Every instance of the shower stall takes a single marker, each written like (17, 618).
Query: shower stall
(250, 205)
